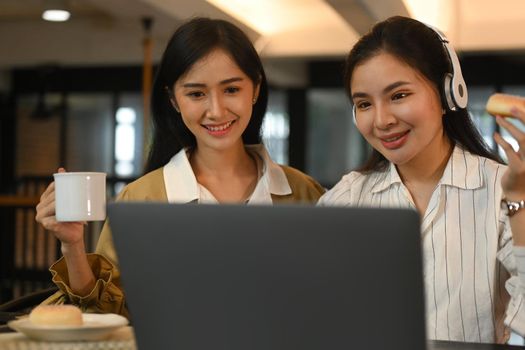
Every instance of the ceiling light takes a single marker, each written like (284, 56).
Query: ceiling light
(55, 11)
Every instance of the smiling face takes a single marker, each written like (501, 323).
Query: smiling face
(398, 111)
(215, 98)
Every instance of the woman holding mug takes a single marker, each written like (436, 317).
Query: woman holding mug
(209, 99)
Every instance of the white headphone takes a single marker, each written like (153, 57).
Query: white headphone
(454, 87)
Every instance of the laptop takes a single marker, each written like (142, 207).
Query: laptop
(241, 277)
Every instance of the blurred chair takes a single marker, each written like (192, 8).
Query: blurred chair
(21, 306)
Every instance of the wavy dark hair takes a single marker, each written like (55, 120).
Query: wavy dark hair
(420, 47)
(192, 41)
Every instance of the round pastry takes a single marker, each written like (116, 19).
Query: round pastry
(501, 104)
(56, 315)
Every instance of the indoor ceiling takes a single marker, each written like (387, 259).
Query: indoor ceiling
(111, 31)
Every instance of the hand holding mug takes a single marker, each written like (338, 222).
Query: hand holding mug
(70, 201)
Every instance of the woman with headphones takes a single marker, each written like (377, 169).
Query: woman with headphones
(410, 100)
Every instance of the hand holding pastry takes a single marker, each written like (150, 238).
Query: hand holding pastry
(513, 182)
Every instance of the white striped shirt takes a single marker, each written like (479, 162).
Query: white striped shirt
(467, 246)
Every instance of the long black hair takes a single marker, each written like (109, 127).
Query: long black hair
(192, 41)
(420, 47)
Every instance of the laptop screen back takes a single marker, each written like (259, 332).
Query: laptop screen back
(261, 277)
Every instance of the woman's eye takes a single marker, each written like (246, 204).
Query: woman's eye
(399, 95)
(362, 105)
(231, 89)
(195, 94)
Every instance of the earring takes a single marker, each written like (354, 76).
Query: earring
(174, 105)
(254, 100)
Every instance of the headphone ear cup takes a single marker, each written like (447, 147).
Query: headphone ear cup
(459, 91)
(455, 92)
(447, 91)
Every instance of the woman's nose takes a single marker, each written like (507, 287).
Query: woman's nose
(384, 118)
(216, 106)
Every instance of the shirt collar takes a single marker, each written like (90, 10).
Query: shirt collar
(273, 180)
(389, 177)
(179, 179)
(462, 171)
(182, 186)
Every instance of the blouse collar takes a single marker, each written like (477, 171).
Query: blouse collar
(182, 186)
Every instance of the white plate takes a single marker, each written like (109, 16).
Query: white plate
(95, 327)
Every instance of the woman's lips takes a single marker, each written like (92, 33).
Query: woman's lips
(219, 130)
(394, 141)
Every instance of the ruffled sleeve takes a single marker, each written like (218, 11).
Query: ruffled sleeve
(107, 295)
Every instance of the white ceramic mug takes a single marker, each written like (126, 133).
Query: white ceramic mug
(80, 196)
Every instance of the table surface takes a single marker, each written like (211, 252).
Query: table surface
(124, 339)
(121, 339)
(446, 345)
